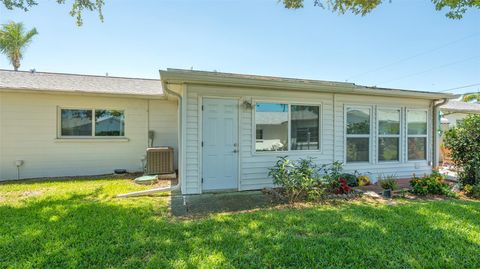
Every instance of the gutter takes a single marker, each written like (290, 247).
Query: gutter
(163, 189)
(436, 108)
(229, 80)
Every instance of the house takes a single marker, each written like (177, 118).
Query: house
(455, 111)
(227, 129)
(451, 114)
(69, 125)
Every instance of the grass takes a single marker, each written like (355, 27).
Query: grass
(78, 224)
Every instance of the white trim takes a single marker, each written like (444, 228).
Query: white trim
(289, 142)
(426, 136)
(370, 136)
(92, 136)
(399, 136)
(90, 140)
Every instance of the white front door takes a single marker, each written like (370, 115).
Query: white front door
(220, 144)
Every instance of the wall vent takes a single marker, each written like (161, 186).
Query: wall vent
(159, 161)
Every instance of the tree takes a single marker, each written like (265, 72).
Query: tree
(464, 144)
(14, 40)
(362, 7)
(78, 6)
(471, 96)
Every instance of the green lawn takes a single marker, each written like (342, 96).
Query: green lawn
(78, 224)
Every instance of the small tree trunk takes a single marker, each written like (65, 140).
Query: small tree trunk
(16, 64)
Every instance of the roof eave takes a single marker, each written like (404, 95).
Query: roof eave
(209, 78)
(467, 111)
(49, 91)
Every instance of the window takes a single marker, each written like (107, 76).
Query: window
(388, 134)
(76, 122)
(358, 134)
(305, 126)
(417, 134)
(80, 122)
(109, 123)
(259, 134)
(274, 120)
(271, 120)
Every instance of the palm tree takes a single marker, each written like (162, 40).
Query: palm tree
(14, 40)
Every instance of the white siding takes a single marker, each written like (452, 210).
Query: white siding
(28, 131)
(254, 166)
(163, 120)
(374, 169)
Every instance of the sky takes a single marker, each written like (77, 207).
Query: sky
(404, 44)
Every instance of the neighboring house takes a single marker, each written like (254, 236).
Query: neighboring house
(229, 128)
(455, 111)
(69, 125)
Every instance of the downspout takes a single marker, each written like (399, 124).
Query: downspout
(171, 188)
(435, 131)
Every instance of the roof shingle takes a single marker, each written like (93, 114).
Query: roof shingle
(42, 81)
(459, 106)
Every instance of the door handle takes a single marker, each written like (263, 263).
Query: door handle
(235, 151)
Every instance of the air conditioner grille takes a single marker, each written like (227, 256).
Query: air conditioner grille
(159, 161)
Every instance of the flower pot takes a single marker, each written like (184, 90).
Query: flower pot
(387, 193)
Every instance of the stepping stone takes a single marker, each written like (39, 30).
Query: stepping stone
(372, 194)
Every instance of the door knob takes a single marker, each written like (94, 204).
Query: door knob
(235, 151)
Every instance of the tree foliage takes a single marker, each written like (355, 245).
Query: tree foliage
(455, 8)
(78, 6)
(471, 96)
(14, 39)
(464, 144)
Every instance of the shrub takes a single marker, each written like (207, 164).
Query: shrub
(332, 172)
(472, 190)
(464, 144)
(363, 181)
(299, 179)
(431, 184)
(350, 178)
(340, 186)
(388, 182)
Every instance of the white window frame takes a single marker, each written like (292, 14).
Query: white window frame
(92, 136)
(289, 150)
(426, 136)
(399, 136)
(370, 136)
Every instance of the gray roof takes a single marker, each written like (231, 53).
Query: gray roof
(459, 106)
(74, 83)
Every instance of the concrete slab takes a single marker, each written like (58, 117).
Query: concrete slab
(202, 204)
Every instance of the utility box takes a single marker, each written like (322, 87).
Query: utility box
(159, 161)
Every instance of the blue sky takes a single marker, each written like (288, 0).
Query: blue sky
(404, 44)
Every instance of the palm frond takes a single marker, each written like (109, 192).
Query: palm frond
(13, 41)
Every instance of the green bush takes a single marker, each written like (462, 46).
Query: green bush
(472, 190)
(388, 182)
(332, 172)
(299, 179)
(464, 144)
(350, 178)
(431, 184)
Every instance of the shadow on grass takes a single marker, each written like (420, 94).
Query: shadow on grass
(79, 232)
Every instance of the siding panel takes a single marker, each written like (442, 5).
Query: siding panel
(29, 130)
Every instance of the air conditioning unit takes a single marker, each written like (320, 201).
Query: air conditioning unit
(159, 161)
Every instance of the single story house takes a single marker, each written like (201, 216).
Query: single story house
(227, 129)
(451, 114)
(455, 111)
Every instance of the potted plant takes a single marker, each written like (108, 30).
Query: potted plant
(388, 184)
